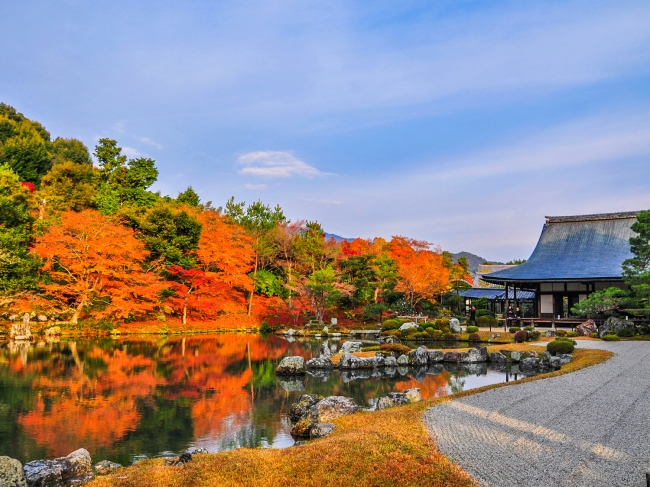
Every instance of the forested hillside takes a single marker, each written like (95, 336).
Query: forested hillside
(83, 240)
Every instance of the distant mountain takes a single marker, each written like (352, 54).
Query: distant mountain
(337, 238)
(472, 259)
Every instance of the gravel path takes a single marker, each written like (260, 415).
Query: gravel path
(588, 428)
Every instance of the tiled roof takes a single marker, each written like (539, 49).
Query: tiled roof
(582, 247)
(496, 294)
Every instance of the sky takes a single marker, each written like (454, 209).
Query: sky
(462, 123)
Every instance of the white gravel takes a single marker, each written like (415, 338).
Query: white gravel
(587, 428)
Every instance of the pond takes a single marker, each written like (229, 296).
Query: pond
(142, 396)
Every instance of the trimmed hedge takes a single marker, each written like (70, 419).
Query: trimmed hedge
(472, 329)
(514, 329)
(396, 348)
(611, 338)
(474, 337)
(560, 346)
(572, 334)
(487, 321)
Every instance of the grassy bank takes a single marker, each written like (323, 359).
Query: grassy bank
(387, 448)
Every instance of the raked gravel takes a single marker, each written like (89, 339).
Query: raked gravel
(587, 428)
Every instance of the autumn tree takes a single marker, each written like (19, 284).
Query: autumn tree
(94, 267)
(324, 289)
(260, 223)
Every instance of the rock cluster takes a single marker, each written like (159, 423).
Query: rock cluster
(291, 366)
(311, 418)
(399, 398)
(614, 325)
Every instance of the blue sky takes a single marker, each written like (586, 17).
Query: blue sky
(462, 123)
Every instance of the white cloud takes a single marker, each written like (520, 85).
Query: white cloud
(147, 140)
(275, 164)
(255, 186)
(132, 153)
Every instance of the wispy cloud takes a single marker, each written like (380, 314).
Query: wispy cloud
(255, 186)
(272, 164)
(148, 141)
(133, 153)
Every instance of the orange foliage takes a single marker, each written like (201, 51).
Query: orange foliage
(422, 273)
(358, 246)
(96, 262)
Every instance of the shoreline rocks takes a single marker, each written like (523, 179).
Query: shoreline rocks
(75, 469)
(291, 366)
(324, 410)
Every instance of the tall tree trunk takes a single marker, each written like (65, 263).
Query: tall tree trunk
(250, 299)
(77, 312)
(185, 315)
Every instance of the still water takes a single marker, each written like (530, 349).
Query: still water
(130, 398)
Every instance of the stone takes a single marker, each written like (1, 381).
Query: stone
(292, 383)
(41, 318)
(351, 346)
(533, 354)
(323, 411)
(456, 357)
(334, 321)
(321, 429)
(11, 473)
(290, 332)
(587, 328)
(613, 325)
(75, 469)
(515, 356)
(498, 358)
(179, 461)
(326, 330)
(390, 361)
(565, 358)
(391, 400)
(454, 325)
(402, 360)
(349, 361)
(325, 351)
(529, 364)
(435, 356)
(474, 355)
(549, 333)
(303, 404)
(408, 326)
(291, 366)
(413, 395)
(105, 467)
(419, 356)
(20, 331)
(521, 336)
(320, 363)
(53, 331)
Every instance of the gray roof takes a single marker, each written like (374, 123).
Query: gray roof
(575, 248)
(496, 294)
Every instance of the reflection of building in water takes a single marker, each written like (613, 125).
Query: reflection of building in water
(575, 256)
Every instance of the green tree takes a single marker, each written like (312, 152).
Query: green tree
(70, 150)
(636, 270)
(69, 186)
(17, 266)
(260, 222)
(189, 197)
(324, 290)
(123, 182)
(516, 262)
(25, 145)
(600, 302)
(311, 250)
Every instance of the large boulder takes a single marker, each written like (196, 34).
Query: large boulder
(73, 470)
(20, 331)
(413, 395)
(498, 358)
(11, 473)
(349, 361)
(390, 361)
(304, 403)
(565, 358)
(351, 346)
(325, 351)
(614, 325)
(587, 328)
(454, 325)
(453, 357)
(435, 356)
(320, 363)
(408, 326)
(549, 333)
(475, 355)
(324, 411)
(419, 356)
(291, 366)
(402, 360)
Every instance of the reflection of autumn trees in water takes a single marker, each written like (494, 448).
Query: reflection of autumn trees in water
(147, 395)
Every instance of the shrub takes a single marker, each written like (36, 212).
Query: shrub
(561, 333)
(521, 336)
(487, 321)
(390, 325)
(611, 338)
(390, 333)
(474, 337)
(437, 335)
(565, 339)
(472, 329)
(374, 348)
(572, 334)
(595, 335)
(431, 332)
(514, 329)
(442, 323)
(626, 332)
(532, 333)
(265, 328)
(450, 337)
(396, 349)
(420, 335)
(560, 347)
(484, 312)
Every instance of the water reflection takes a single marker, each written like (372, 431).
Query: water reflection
(142, 396)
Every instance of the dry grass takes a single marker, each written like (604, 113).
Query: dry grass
(385, 448)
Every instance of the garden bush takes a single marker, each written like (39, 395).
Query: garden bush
(396, 349)
(442, 323)
(420, 335)
(450, 337)
(484, 312)
(611, 338)
(374, 348)
(472, 329)
(437, 335)
(474, 337)
(487, 321)
(626, 332)
(561, 333)
(431, 332)
(265, 328)
(521, 336)
(565, 339)
(560, 346)
(514, 329)
(532, 333)
(572, 334)
(390, 325)
(595, 335)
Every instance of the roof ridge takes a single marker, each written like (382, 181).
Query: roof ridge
(624, 215)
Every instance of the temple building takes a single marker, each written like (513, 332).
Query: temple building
(575, 256)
